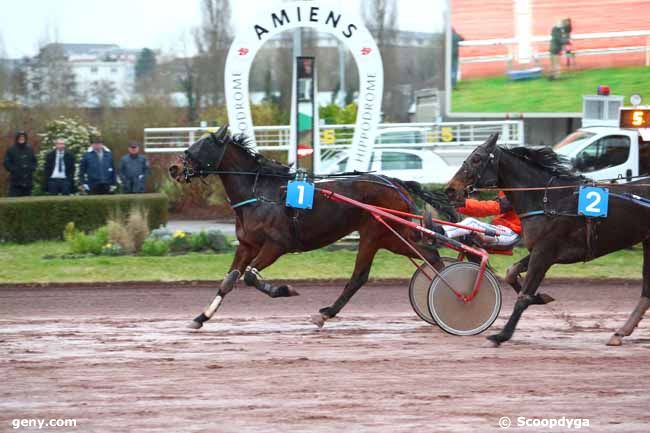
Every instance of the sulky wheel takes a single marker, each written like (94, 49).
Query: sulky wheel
(419, 289)
(464, 318)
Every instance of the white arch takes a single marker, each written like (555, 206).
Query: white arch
(324, 16)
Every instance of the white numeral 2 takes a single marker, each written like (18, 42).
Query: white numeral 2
(592, 206)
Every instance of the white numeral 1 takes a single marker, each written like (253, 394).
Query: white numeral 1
(301, 194)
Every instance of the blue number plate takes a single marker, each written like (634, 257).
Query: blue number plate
(593, 202)
(300, 194)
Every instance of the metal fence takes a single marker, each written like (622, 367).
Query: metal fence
(334, 138)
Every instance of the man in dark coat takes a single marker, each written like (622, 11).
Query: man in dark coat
(20, 162)
(96, 170)
(134, 169)
(58, 175)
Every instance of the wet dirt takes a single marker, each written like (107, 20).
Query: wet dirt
(120, 359)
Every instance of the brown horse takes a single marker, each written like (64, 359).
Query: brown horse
(267, 229)
(553, 231)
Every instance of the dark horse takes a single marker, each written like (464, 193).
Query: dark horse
(266, 229)
(552, 230)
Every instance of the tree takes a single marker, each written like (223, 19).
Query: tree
(213, 39)
(145, 70)
(5, 74)
(381, 19)
(50, 79)
(103, 92)
(188, 84)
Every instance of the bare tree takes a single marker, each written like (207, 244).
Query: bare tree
(213, 38)
(381, 19)
(49, 76)
(4, 70)
(103, 92)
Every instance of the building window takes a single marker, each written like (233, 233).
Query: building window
(93, 69)
(113, 70)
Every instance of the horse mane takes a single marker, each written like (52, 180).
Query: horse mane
(544, 158)
(268, 166)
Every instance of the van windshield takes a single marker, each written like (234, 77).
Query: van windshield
(572, 142)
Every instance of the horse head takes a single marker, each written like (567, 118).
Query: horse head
(479, 170)
(201, 157)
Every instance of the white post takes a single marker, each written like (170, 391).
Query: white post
(523, 29)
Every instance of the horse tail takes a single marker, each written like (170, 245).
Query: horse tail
(436, 198)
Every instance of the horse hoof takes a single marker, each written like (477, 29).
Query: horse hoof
(194, 325)
(615, 340)
(318, 320)
(546, 299)
(292, 292)
(493, 340)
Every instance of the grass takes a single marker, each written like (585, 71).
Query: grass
(25, 264)
(500, 95)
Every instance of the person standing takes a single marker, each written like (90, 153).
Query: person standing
(560, 37)
(20, 162)
(134, 169)
(456, 39)
(96, 170)
(58, 173)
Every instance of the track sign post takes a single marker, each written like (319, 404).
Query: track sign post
(305, 100)
(333, 17)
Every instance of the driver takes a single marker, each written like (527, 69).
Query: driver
(503, 230)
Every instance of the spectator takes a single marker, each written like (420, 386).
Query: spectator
(58, 175)
(560, 37)
(96, 171)
(134, 169)
(456, 39)
(20, 162)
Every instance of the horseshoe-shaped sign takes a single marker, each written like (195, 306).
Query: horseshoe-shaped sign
(323, 16)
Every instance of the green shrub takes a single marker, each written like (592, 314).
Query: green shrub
(154, 247)
(93, 243)
(27, 219)
(112, 250)
(199, 241)
(218, 241)
(180, 242)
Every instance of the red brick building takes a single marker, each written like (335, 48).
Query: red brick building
(478, 20)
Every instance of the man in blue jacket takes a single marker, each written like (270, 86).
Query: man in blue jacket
(134, 169)
(96, 170)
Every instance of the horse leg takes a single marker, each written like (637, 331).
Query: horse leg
(242, 256)
(265, 258)
(538, 266)
(641, 307)
(513, 278)
(359, 277)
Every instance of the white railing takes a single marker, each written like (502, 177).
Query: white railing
(438, 136)
(510, 42)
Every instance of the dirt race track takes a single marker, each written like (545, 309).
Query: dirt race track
(121, 360)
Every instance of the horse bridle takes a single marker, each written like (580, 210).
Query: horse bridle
(210, 168)
(478, 179)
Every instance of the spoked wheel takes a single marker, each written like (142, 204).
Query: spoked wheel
(464, 318)
(419, 289)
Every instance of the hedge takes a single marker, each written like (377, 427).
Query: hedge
(27, 219)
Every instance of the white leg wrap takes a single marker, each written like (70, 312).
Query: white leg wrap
(214, 306)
